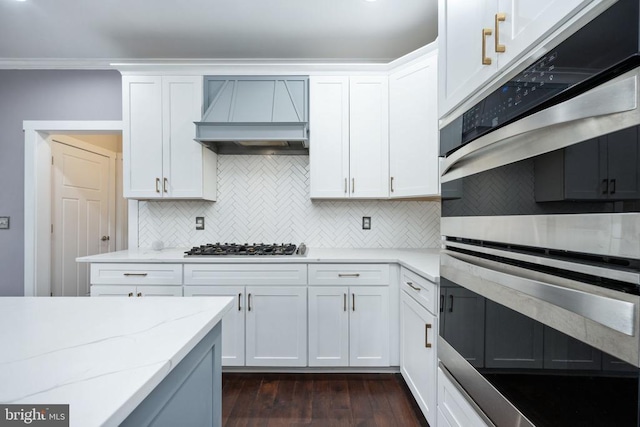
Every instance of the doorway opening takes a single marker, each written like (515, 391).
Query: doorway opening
(90, 136)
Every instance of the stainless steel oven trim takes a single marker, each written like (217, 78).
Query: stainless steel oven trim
(604, 109)
(488, 402)
(609, 273)
(601, 234)
(601, 321)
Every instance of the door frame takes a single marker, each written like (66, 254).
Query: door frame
(37, 196)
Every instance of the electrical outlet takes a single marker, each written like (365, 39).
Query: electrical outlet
(366, 223)
(199, 223)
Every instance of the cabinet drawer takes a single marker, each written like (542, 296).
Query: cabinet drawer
(245, 274)
(349, 274)
(136, 274)
(424, 291)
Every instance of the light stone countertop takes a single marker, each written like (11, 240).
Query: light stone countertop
(102, 356)
(425, 262)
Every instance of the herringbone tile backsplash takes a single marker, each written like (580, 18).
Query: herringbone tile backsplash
(266, 199)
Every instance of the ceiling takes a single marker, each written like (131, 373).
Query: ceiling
(120, 30)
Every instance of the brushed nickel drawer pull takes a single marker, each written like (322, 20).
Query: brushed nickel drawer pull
(130, 294)
(344, 303)
(427, 344)
(249, 302)
(412, 287)
(136, 274)
(353, 302)
(348, 274)
(139, 294)
(239, 296)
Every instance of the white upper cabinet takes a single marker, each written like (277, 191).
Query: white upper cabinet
(329, 136)
(161, 159)
(413, 129)
(478, 39)
(349, 137)
(369, 136)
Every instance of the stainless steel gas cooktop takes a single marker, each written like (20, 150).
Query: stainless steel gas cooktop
(254, 249)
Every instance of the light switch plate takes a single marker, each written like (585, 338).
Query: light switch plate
(4, 222)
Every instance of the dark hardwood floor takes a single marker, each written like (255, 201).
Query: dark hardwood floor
(318, 400)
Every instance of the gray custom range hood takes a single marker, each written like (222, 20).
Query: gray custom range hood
(255, 115)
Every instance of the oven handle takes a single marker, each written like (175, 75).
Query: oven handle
(613, 313)
(550, 129)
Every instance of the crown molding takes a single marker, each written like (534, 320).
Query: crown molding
(269, 66)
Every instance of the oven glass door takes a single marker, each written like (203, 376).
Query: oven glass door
(551, 378)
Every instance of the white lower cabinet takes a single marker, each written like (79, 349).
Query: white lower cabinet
(418, 357)
(135, 291)
(233, 323)
(453, 408)
(349, 326)
(276, 326)
(268, 325)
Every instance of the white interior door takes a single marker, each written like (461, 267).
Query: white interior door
(81, 196)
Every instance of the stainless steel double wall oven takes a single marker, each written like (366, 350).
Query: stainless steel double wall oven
(540, 275)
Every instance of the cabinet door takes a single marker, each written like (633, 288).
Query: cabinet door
(369, 137)
(460, 37)
(232, 322)
(564, 352)
(183, 157)
(329, 137)
(142, 137)
(112, 291)
(453, 406)
(328, 326)
(527, 22)
(462, 323)
(413, 130)
(623, 164)
(418, 354)
(276, 328)
(369, 326)
(159, 291)
(511, 339)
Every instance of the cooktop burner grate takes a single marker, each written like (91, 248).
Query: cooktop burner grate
(255, 249)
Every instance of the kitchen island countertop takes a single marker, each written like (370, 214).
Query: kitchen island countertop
(102, 356)
(425, 262)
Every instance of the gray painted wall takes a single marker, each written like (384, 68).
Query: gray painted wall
(41, 95)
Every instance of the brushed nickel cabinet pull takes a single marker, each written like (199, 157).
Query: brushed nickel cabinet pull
(353, 185)
(441, 303)
(136, 274)
(344, 302)
(249, 302)
(392, 184)
(485, 32)
(500, 17)
(139, 294)
(239, 296)
(450, 303)
(348, 274)
(157, 185)
(165, 185)
(130, 294)
(427, 344)
(412, 287)
(345, 186)
(353, 302)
